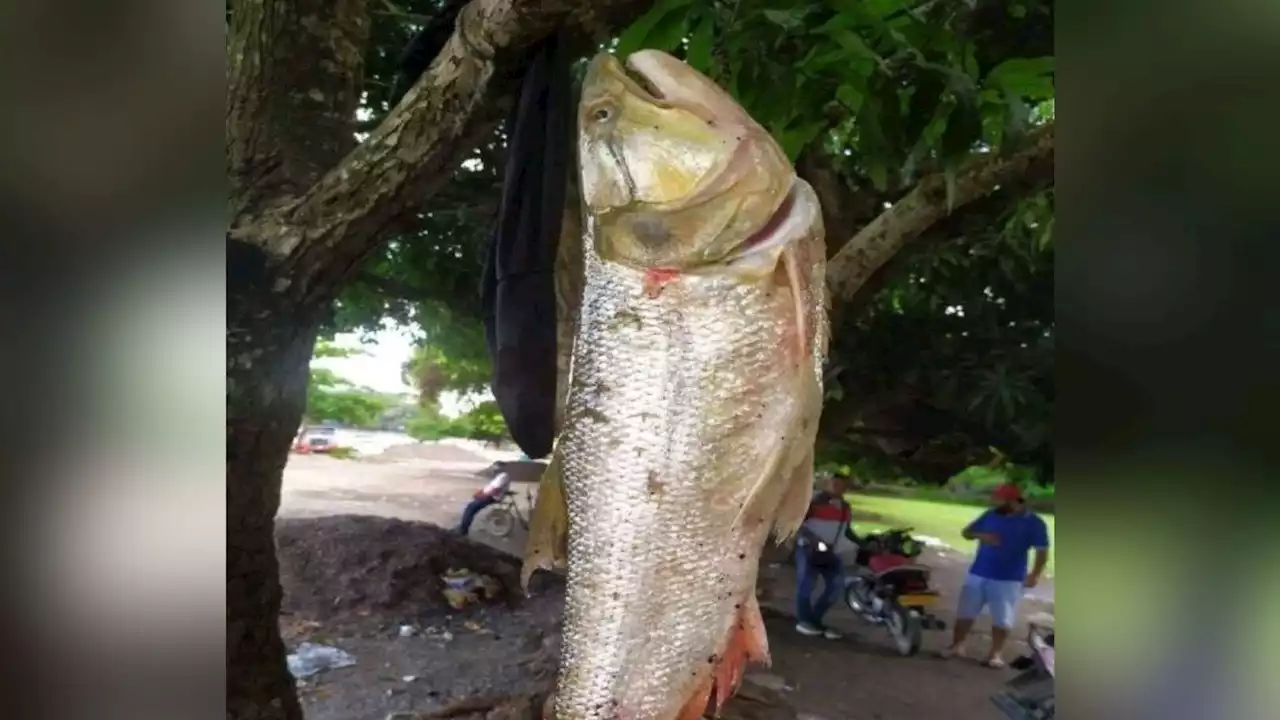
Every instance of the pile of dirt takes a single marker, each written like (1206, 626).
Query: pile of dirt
(351, 565)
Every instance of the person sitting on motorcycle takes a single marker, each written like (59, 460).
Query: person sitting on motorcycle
(825, 532)
(998, 576)
(485, 497)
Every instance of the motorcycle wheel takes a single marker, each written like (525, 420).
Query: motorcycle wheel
(906, 629)
(499, 522)
(855, 599)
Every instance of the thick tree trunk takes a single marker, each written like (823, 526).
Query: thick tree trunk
(306, 210)
(269, 346)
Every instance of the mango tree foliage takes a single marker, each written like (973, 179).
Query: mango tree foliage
(482, 422)
(450, 366)
(330, 398)
(956, 356)
(928, 371)
(890, 89)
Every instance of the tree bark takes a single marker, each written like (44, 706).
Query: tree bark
(844, 209)
(323, 234)
(269, 347)
(306, 208)
(924, 206)
(293, 84)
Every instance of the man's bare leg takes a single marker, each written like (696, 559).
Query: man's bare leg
(958, 636)
(999, 636)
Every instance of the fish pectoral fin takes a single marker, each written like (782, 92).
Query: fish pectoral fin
(747, 643)
(547, 546)
(795, 280)
(795, 500)
(786, 479)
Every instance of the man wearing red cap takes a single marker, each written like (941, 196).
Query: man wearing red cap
(1005, 534)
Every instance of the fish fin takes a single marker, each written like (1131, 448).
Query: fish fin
(547, 546)
(797, 282)
(786, 480)
(747, 643)
(804, 264)
(795, 500)
(569, 280)
(697, 705)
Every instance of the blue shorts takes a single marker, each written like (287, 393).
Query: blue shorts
(1001, 597)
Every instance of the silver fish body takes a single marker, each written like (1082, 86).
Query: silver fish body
(694, 389)
(679, 405)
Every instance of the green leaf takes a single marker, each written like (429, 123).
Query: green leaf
(964, 128)
(669, 31)
(637, 35)
(1046, 236)
(795, 139)
(700, 44)
(922, 106)
(879, 174)
(854, 44)
(889, 118)
(1024, 77)
(1016, 118)
(787, 19)
(949, 179)
(850, 97)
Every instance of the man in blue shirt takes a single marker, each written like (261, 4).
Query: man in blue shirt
(996, 580)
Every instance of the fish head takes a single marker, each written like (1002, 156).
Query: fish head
(675, 175)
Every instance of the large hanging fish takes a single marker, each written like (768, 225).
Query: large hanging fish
(694, 392)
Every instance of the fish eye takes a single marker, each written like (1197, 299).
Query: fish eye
(602, 114)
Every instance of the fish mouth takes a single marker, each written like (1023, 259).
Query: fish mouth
(772, 233)
(646, 85)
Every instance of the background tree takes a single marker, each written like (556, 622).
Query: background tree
(330, 398)
(482, 422)
(310, 204)
(926, 107)
(919, 123)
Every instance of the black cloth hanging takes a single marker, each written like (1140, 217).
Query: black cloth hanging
(518, 287)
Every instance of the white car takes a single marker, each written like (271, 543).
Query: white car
(318, 439)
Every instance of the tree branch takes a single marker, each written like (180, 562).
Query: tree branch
(324, 234)
(844, 210)
(952, 228)
(293, 77)
(395, 289)
(924, 206)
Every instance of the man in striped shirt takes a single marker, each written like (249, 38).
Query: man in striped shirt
(823, 536)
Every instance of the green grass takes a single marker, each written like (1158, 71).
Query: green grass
(943, 520)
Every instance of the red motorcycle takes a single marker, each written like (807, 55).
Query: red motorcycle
(887, 587)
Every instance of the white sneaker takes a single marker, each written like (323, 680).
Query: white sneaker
(831, 634)
(809, 629)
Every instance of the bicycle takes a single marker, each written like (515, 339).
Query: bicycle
(501, 517)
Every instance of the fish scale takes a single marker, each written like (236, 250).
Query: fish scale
(694, 388)
(663, 428)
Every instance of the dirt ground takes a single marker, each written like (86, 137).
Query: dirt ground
(361, 557)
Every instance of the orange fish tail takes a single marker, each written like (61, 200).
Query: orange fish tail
(747, 643)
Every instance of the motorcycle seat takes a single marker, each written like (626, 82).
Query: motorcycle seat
(905, 567)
